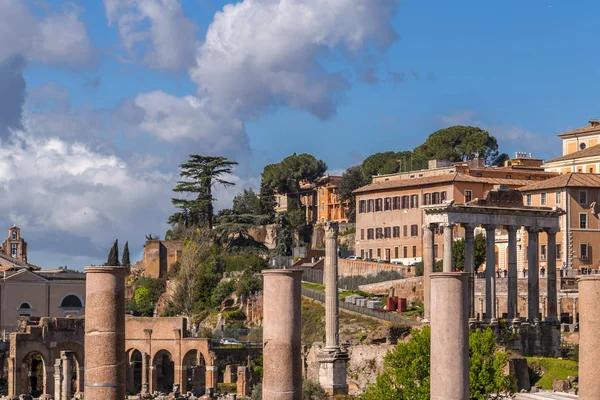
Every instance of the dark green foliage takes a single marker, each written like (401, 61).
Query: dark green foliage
(247, 202)
(247, 284)
(234, 315)
(458, 251)
(246, 260)
(437, 267)
(113, 255)
(352, 179)
(199, 175)
(126, 262)
(232, 233)
(222, 291)
(152, 237)
(285, 234)
(388, 162)
(285, 177)
(486, 366)
(311, 390)
(266, 197)
(499, 161)
(147, 292)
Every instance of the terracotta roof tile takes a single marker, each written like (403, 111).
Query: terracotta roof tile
(572, 179)
(589, 152)
(433, 180)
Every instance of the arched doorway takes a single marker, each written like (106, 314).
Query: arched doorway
(134, 372)
(194, 372)
(164, 372)
(33, 375)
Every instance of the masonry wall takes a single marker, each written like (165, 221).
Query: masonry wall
(363, 268)
(160, 255)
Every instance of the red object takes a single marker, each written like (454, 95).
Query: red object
(402, 305)
(392, 303)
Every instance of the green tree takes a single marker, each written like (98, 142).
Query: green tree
(247, 202)
(266, 197)
(458, 252)
(407, 369)
(126, 262)
(144, 303)
(352, 179)
(438, 266)
(199, 175)
(388, 162)
(113, 255)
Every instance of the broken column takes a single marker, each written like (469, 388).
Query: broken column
(105, 366)
(332, 360)
(589, 337)
(282, 371)
(449, 336)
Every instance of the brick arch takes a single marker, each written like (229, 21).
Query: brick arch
(164, 366)
(24, 381)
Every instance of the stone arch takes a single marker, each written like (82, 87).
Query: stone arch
(134, 371)
(34, 367)
(194, 372)
(163, 371)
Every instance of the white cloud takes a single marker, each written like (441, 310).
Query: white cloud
(155, 31)
(56, 38)
(262, 53)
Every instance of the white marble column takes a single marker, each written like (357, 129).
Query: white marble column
(470, 266)
(428, 263)
(533, 283)
(512, 273)
(490, 273)
(67, 375)
(448, 242)
(551, 278)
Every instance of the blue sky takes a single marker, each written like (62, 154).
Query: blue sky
(111, 108)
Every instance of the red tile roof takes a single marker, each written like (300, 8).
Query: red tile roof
(572, 179)
(589, 152)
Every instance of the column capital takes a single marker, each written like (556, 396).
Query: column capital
(551, 231)
(489, 227)
(428, 225)
(511, 228)
(331, 229)
(468, 226)
(449, 225)
(532, 229)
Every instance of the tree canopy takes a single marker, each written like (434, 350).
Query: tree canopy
(458, 252)
(113, 255)
(352, 179)
(126, 261)
(285, 177)
(247, 202)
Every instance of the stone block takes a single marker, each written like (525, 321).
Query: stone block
(560, 385)
(374, 304)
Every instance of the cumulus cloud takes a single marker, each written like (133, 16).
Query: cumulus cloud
(155, 32)
(12, 89)
(55, 38)
(262, 53)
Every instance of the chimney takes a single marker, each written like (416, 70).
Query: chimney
(594, 122)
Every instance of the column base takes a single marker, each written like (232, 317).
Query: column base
(333, 371)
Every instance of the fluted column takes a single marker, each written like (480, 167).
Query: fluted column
(490, 273)
(470, 266)
(512, 273)
(551, 277)
(428, 263)
(533, 283)
(332, 340)
(448, 241)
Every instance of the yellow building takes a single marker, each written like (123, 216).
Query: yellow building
(581, 151)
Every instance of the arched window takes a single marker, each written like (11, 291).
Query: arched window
(14, 235)
(25, 306)
(71, 301)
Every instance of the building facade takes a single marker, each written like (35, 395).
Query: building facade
(580, 151)
(14, 246)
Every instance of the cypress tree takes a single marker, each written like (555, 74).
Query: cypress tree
(113, 256)
(126, 262)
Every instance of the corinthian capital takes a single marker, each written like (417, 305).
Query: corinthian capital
(331, 229)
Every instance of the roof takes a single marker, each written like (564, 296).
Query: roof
(16, 263)
(572, 179)
(589, 152)
(437, 179)
(592, 127)
(68, 276)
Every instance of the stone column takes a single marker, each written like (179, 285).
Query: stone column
(575, 310)
(533, 284)
(512, 274)
(470, 266)
(589, 337)
(551, 278)
(332, 360)
(145, 385)
(490, 273)
(449, 336)
(481, 308)
(105, 333)
(428, 263)
(448, 241)
(66, 357)
(282, 373)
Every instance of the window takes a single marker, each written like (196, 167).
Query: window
(396, 252)
(370, 234)
(396, 203)
(426, 199)
(442, 196)
(14, 235)
(362, 206)
(414, 230)
(435, 251)
(528, 200)
(405, 230)
(583, 221)
(558, 251)
(387, 232)
(371, 253)
(378, 233)
(404, 202)
(591, 170)
(322, 205)
(378, 204)
(396, 232)
(468, 196)
(370, 204)
(414, 201)
(378, 254)
(414, 251)
(558, 199)
(543, 199)
(362, 234)
(387, 254)
(362, 254)
(583, 251)
(582, 146)
(436, 198)
(14, 247)
(71, 301)
(543, 252)
(405, 252)
(323, 192)
(25, 306)
(387, 205)
(508, 177)
(582, 197)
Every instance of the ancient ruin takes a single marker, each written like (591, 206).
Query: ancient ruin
(589, 337)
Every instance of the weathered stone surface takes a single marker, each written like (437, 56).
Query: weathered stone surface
(560, 385)
(589, 337)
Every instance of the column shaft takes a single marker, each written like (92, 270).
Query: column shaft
(589, 337)
(448, 241)
(66, 381)
(512, 273)
(470, 265)
(551, 278)
(428, 262)
(449, 337)
(331, 287)
(533, 283)
(490, 273)
(144, 373)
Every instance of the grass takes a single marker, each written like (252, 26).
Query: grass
(543, 371)
(315, 287)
